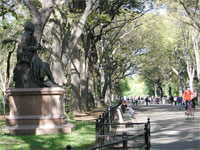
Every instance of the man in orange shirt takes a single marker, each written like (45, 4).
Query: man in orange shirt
(187, 97)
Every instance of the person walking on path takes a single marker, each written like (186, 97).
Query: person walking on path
(136, 101)
(133, 101)
(179, 101)
(171, 99)
(147, 100)
(187, 97)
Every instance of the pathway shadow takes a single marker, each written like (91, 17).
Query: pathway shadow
(169, 128)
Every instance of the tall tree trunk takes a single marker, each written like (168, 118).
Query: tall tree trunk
(180, 80)
(84, 80)
(91, 86)
(196, 41)
(3, 91)
(191, 71)
(108, 95)
(76, 32)
(75, 104)
(155, 90)
(98, 82)
(161, 91)
(105, 86)
(169, 90)
(57, 67)
(98, 85)
(180, 85)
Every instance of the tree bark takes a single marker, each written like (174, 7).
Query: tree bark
(84, 80)
(57, 67)
(155, 90)
(196, 41)
(76, 32)
(40, 17)
(91, 86)
(75, 104)
(98, 83)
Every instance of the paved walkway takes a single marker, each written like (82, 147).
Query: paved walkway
(169, 128)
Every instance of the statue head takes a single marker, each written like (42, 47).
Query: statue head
(29, 26)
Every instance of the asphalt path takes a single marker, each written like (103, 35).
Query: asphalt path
(169, 128)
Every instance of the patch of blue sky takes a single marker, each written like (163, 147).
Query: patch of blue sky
(161, 10)
(9, 18)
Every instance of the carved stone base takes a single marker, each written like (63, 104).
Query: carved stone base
(37, 111)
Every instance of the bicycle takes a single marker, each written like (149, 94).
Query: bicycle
(189, 113)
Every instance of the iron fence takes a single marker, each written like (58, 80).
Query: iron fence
(111, 135)
(127, 136)
(105, 124)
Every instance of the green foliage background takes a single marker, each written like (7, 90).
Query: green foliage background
(134, 86)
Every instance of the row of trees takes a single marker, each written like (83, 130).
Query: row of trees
(92, 44)
(171, 45)
(83, 40)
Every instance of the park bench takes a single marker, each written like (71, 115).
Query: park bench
(123, 117)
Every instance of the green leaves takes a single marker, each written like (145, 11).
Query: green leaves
(96, 18)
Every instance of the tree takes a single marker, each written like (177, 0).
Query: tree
(106, 40)
(191, 10)
(162, 51)
(10, 31)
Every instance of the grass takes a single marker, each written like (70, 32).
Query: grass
(80, 139)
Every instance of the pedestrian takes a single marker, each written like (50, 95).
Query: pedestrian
(171, 99)
(147, 100)
(128, 100)
(136, 101)
(163, 100)
(133, 101)
(154, 100)
(179, 101)
(175, 102)
(194, 101)
(157, 100)
(187, 97)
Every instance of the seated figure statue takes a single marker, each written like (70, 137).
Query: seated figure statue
(30, 71)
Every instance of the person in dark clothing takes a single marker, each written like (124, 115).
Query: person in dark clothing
(179, 100)
(124, 106)
(171, 99)
(194, 101)
(147, 100)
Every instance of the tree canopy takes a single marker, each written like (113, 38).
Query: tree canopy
(93, 45)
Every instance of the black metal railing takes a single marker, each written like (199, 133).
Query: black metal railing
(128, 136)
(120, 136)
(105, 124)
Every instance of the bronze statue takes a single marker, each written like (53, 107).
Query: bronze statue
(30, 70)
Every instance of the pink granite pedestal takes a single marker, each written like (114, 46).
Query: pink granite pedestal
(37, 111)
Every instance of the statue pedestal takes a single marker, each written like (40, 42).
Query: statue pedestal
(37, 111)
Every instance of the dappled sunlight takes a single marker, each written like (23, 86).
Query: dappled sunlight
(169, 128)
(85, 133)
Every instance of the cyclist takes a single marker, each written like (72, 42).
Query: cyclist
(187, 97)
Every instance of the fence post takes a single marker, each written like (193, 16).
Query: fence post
(68, 147)
(149, 124)
(102, 128)
(125, 146)
(97, 132)
(109, 118)
(146, 138)
(149, 132)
